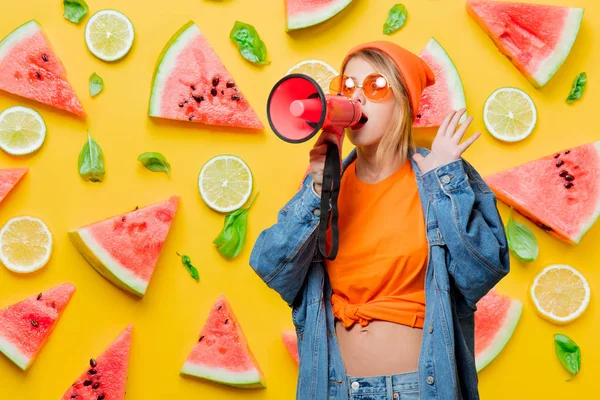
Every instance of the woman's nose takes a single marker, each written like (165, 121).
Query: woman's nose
(359, 96)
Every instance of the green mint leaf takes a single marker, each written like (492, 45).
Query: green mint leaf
(249, 44)
(578, 87)
(568, 353)
(91, 161)
(521, 240)
(232, 238)
(75, 10)
(187, 262)
(96, 84)
(396, 19)
(155, 162)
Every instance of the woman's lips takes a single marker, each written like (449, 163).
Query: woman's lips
(361, 122)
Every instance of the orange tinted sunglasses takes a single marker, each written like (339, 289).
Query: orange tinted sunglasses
(375, 86)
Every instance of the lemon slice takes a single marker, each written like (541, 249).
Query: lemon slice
(225, 183)
(319, 70)
(109, 35)
(509, 114)
(22, 130)
(25, 244)
(560, 294)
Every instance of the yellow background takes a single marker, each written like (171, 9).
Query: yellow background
(167, 320)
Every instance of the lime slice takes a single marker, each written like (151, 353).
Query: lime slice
(25, 244)
(225, 183)
(319, 70)
(109, 35)
(22, 130)
(509, 114)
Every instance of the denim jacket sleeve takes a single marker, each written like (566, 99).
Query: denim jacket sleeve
(471, 226)
(283, 252)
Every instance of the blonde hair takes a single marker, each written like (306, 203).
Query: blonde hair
(398, 138)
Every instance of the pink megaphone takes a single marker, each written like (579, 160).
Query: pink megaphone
(297, 110)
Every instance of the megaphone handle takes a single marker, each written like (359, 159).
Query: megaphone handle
(329, 192)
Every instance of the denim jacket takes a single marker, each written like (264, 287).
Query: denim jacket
(468, 255)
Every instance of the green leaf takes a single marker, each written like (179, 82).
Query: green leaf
(521, 240)
(248, 43)
(568, 353)
(232, 238)
(96, 84)
(396, 19)
(91, 161)
(187, 262)
(155, 162)
(75, 10)
(578, 87)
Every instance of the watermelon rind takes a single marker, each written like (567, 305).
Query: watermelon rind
(586, 226)
(550, 65)
(306, 19)
(14, 354)
(105, 264)
(452, 77)
(22, 32)
(502, 336)
(167, 61)
(248, 379)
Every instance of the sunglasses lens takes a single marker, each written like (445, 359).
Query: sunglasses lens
(343, 85)
(375, 87)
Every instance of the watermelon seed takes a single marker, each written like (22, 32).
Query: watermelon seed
(418, 115)
(236, 89)
(123, 219)
(192, 87)
(45, 58)
(560, 163)
(213, 91)
(219, 307)
(227, 320)
(74, 396)
(197, 98)
(556, 155)
(96, 385)
(563, 173)
(215, 81)
(569, 185)
(570, 178)
(201, 337)
(87, 382)
(181, 105)
(567, 152)
(230, 84)
(545, 228)
(34, 323)
(92, 372)
(38, 75)
(191, 118)
(93, 363)
(101, 397)
(235, 97)
(53, 305)
(222, 92)
(39, 296)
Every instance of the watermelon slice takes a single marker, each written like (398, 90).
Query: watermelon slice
(9, 177)
(192, 84)
(536, 38)
(560, 193)
(106, 377)
(125, 248)
(29, 68)
(26, 326)
(495, 321)
(304, 13)
(447, 94)
(290, 340)
(222, 353)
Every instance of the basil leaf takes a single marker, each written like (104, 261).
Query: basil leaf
(521, 240)
(249, 44)
(75, 10)
(96, 84)
(91, 161)
(187, 262)
(155, 162)
(568, 353)
(578, 87)
(232, 238)
(396, 19)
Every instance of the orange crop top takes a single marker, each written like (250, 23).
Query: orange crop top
(379, 272)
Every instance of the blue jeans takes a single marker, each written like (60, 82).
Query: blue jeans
(384, 387)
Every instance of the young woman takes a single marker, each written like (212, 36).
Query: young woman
(421, 241)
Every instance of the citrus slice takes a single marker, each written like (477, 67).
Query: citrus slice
(560, 294)
(25, 244)
(225, 183)
(22, 130)
(509, 114)
(319, 70)
(109, 35)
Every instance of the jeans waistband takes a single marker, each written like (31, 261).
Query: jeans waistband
(384, 384)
